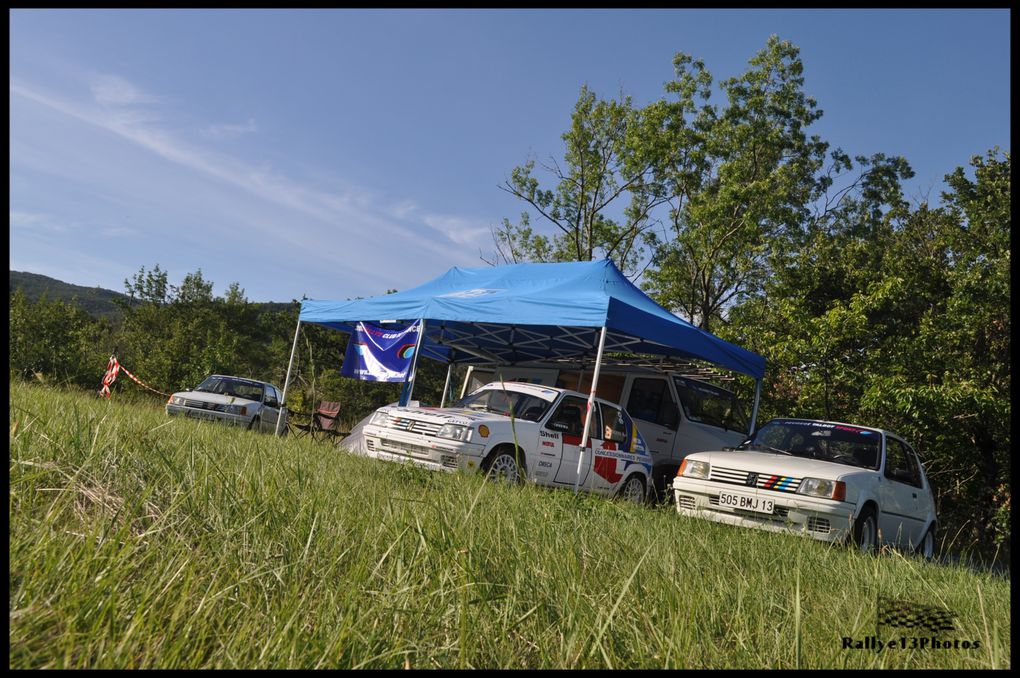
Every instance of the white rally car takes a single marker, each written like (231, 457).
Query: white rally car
(478, 433)
(828, 480)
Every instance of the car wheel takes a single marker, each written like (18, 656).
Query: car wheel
(865, 531)
(632, 490)
(926, 549)
(255, 424)
(504, 465)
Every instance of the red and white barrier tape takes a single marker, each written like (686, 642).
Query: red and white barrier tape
(112, 368)
(111, 375)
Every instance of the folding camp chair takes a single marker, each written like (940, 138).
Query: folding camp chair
(324, 422)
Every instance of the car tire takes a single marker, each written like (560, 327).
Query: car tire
(505, 465)
(633, 490)
(255, 424)
(864, 532)
(926, 547)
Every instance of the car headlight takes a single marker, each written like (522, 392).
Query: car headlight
(175, 400)
(691, 468)
(454, 432)
(236, 409)
(827, 489)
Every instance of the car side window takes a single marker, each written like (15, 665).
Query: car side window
(569, 416)
(710, 405)
(614, 428)
(651, 400)
(900, 464)
(272, 396)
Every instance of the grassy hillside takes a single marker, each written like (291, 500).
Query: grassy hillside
(96, 301)
(141, 541)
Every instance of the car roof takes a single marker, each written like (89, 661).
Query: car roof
(834, 423)
(545, 392)
(250, 381)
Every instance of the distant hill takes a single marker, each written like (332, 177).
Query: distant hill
(96, 301)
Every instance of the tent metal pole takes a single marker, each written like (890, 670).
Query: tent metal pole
(446, 386)
(414, 362)
(754, 411)
(591, 406)
(286, 381)
(467, 378)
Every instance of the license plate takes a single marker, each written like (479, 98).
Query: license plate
(199, 415)
(746, 502)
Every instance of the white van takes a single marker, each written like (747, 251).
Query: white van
(676, 415)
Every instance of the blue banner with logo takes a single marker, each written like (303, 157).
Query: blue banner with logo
(380, 353)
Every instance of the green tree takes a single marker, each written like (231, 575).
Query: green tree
(739, 181)
(56, 341)
(602, 166)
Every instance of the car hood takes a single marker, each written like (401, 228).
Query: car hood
(217, 398)
(446, 415)
(773, 463)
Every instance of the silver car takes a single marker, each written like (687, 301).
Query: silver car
(232, 400)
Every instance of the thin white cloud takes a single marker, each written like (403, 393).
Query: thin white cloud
(36, 221)
(458, 229)
(390, 237)
(114, 91)
(403, 210)
(118, 232)
(230, 131)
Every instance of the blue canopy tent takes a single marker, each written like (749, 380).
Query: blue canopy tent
(524, 313)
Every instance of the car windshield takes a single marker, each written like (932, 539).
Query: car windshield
(238, 388)
(837, 443)
(521, 405)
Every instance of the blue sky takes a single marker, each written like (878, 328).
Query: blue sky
(340, 153)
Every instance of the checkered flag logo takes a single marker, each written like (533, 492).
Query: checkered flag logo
(900, 613)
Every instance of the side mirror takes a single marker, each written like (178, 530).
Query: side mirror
(902, 475)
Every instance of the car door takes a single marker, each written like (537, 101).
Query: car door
(609, 466)
(651, 405)
(567, 420)
(713, 418)
(270, 409)
(900, 506)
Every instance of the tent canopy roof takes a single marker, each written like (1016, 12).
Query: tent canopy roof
(525, 313)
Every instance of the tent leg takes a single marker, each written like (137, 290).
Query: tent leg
(467, 378)
(754, 411)
(591, 407)
(405, 398)
(286, 381)
(446, 386)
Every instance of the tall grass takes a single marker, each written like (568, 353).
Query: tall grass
(141, 541)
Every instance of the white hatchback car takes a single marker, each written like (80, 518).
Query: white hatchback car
(478, 433)
(829, 480)
(232, 400)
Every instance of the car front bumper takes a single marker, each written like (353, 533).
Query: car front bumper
(209, 415)
(822, 519)
(438, 454)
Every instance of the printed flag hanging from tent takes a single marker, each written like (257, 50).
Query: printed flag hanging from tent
(380, 353)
